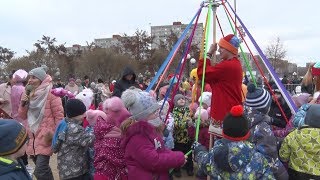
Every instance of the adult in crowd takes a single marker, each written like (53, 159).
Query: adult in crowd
(86, 82)
(224, 77)
(307, 85)
(5, 98)
(58, 84)
(72, 87)
(127, 80)
(78, 83)
(43, 111)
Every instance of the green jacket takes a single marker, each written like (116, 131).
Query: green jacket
(302, 149)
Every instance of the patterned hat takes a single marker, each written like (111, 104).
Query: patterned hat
(258, 98)
(140, 104)
(12, 136)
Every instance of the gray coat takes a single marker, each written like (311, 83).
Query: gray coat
(72, 150)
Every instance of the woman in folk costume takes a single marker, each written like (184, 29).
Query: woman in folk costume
(224, 77)
(43, 111)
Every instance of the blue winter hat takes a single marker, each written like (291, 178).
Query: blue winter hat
(12, 136)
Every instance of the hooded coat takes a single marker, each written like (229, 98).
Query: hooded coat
(124, 84)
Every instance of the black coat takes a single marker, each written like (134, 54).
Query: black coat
(123, 84)
(275, 113)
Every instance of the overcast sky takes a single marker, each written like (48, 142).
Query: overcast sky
(23, 22)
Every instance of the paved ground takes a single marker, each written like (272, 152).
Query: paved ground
(53, 164)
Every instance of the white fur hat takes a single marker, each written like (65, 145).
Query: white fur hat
(86, 96)
(206, 98)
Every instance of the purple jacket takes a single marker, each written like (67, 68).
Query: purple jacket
(145, 154)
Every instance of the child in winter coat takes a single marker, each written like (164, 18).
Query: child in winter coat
(92, 116)
(233, 157)
(145, 154)
(86, 96)
(109, 156)
(13, 145)
(71, 142)
(168, 137)
(299, 100)
(182, 140)
(204, 137)
(258, 103)
(278, 119)
(206, 99)
(302, 146)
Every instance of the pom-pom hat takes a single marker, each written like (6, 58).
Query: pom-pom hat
(258, 98)
(235, 125)
(140, 104)
(39, 73)
(230, 43)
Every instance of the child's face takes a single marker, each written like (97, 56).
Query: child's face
(21, 151)
(181, 102)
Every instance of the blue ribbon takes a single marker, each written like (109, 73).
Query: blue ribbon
(178, 43)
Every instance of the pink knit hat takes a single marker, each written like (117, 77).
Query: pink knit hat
(113, 104)
(202, 113)
(20, 75)
(115, 110)
(93, 115)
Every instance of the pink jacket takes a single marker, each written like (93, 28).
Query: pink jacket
(109, 156)
(16, 91)
(40, 142)
(145, 154)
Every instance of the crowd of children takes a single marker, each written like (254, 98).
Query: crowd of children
(139, 135)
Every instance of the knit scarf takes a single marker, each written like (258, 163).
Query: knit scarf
(37, 104)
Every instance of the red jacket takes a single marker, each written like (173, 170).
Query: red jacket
(225, 80)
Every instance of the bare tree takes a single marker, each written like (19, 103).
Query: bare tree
(138, 46)
(5, 55)
(276, 52)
